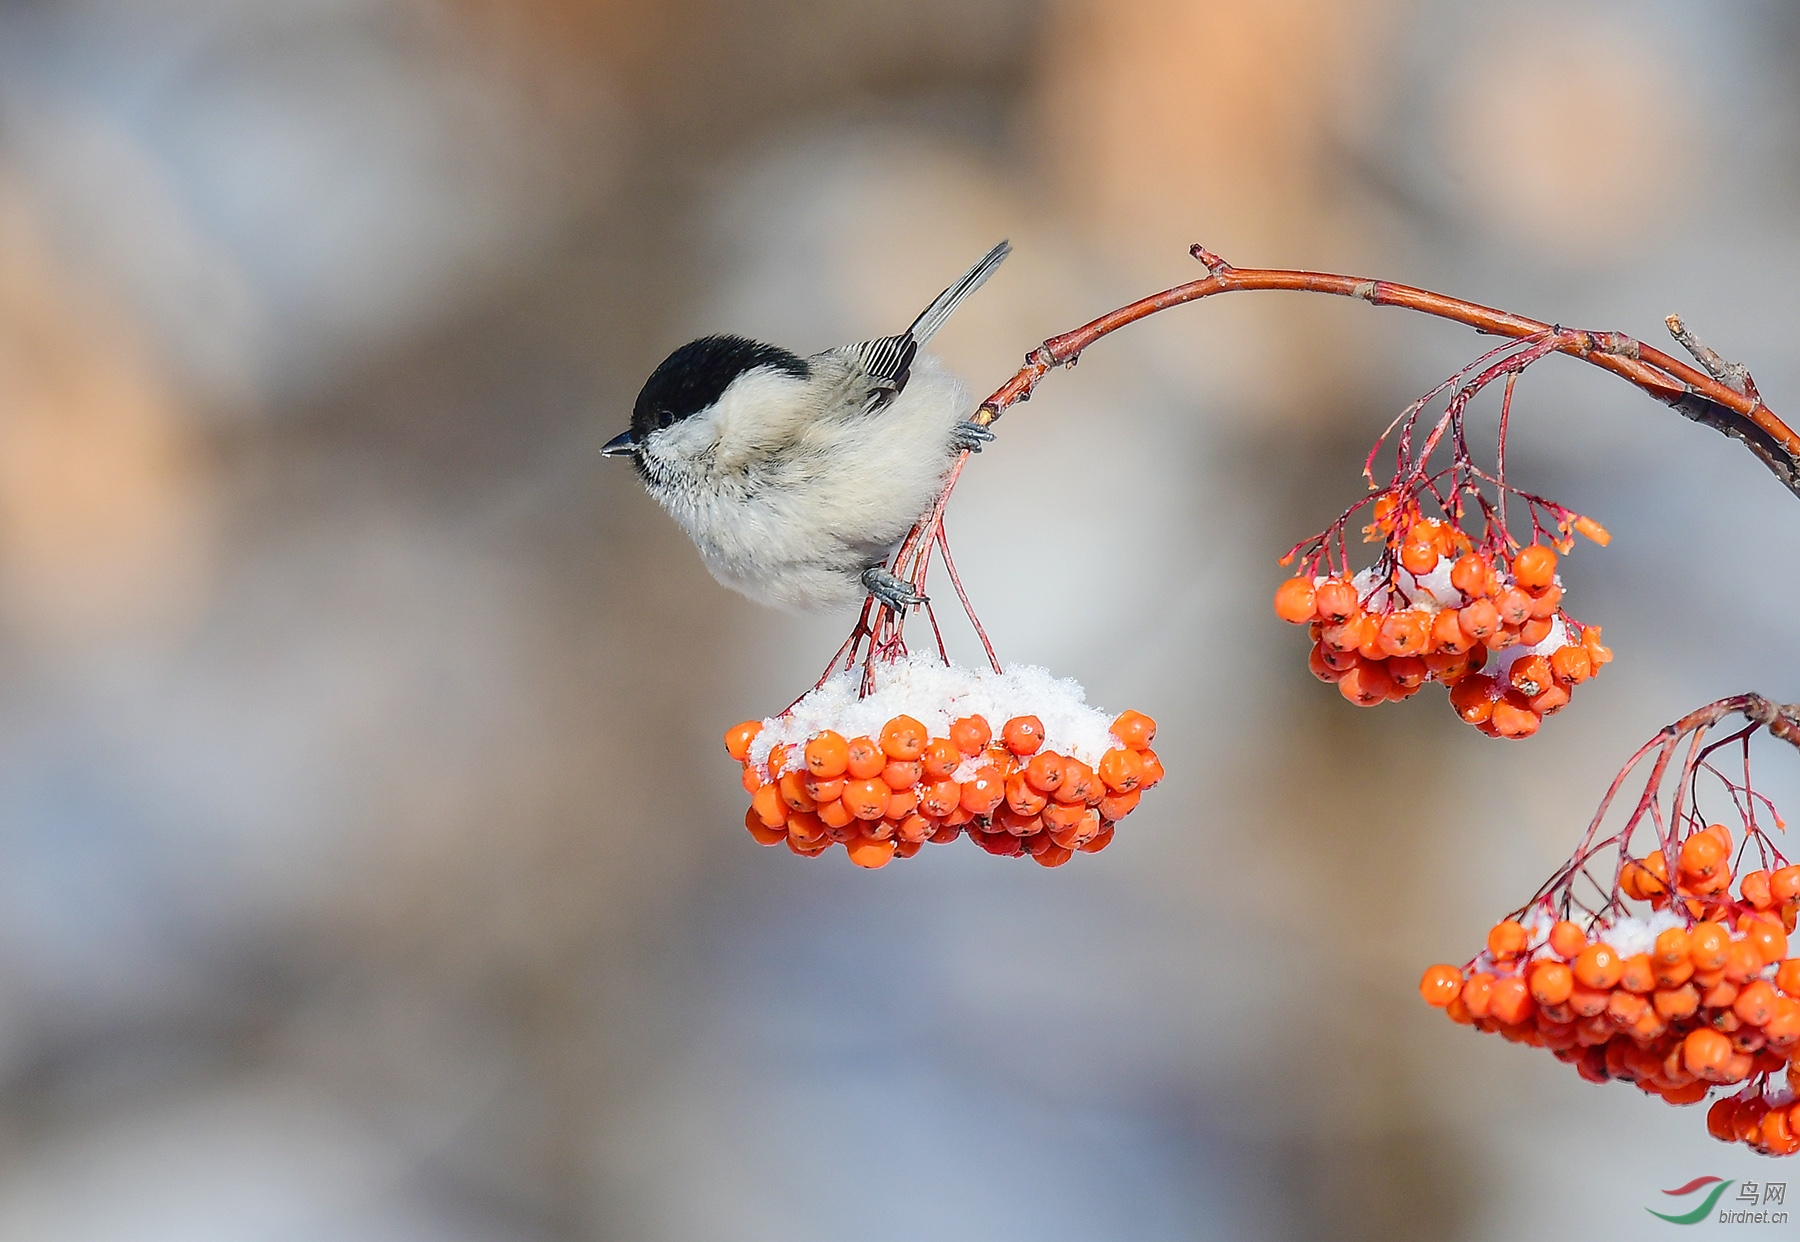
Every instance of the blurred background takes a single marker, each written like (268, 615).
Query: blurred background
(369, 868)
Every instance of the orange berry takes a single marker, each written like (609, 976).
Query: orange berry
(1787, 977)
(904, 738)
(1553, 699)
(1551, 982)
(827, 755)
(1320, 666)
(1754, 887)
(940, 758)
(1755, 1005)
(983, 792)
(835, 814)
(769, 806)
(738, 738)
(1513, 606)
(752, 778)
(1418, 558)
(1407, 672)
(1022, 798)
(808, 830)
(1023, 735)
(1153, 768)
(866, 852)
(1368, 644)
(1743, 959)
(1515, 720)
(1567, 939)
(1530, 675)
(793, 792)
(1134, 730)
(971, 735)
(1079, 784)
(1671, 946)
(1294, 601)
(1052, 855)
(1638, 974)
(1704, 1053)
(1674, 1004)
(1117, 806)
(1343, 636)
(1701, 854)
(1544, 603)
(1784, 884)
(1440, 985)
(1447, 634)
(1045, 772)
(1009, 820)
(1674, 974)
(1472, 575)
(1404, 633)
(1768, 936)
(764, 834)
(915, 829)
(1721, 1120)
(1099, 841)
(898, 775)
(1335, 601)
(1476, 993)
(1707, 944)
(1625, 1008)
(1571, 664)
(1506, 939)
(1478, 619)
(1588, 1002)
(1510, 1000)
(1065, 815)
(1366, 685)
(824, 791)
(1597, 966)
(901, 802)
(867, 799)
(1534, 631)
(940, 798)
(1534, 568)
(1471, 698)
(864, 759)
(1121, 770)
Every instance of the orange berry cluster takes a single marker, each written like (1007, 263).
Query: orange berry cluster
(1675, 1003)
(887, 797)
(1446, 607)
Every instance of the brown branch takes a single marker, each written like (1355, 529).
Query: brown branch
(1691, 392)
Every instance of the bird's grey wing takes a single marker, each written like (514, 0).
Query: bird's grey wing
(887, 361)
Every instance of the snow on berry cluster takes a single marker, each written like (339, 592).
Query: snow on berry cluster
(1487, 625)
(1696, 993)
(917, 762)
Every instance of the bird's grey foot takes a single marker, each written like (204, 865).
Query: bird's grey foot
(969, 437)
(894, 592)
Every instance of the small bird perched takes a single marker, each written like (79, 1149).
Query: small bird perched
(797, 477)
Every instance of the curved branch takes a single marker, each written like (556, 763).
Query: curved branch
(1690, 392)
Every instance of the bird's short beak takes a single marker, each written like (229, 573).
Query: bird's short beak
(619, 446)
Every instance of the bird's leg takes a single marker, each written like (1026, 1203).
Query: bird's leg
(969, 437)
(893, 591)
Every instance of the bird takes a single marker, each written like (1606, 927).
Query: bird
(796, 477)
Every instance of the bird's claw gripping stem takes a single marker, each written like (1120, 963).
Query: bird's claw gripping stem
(894, 592)
(969, 437)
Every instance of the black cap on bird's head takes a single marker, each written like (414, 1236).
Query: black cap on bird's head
(691, 379)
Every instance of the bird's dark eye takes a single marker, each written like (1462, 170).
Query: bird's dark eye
(663, 419)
